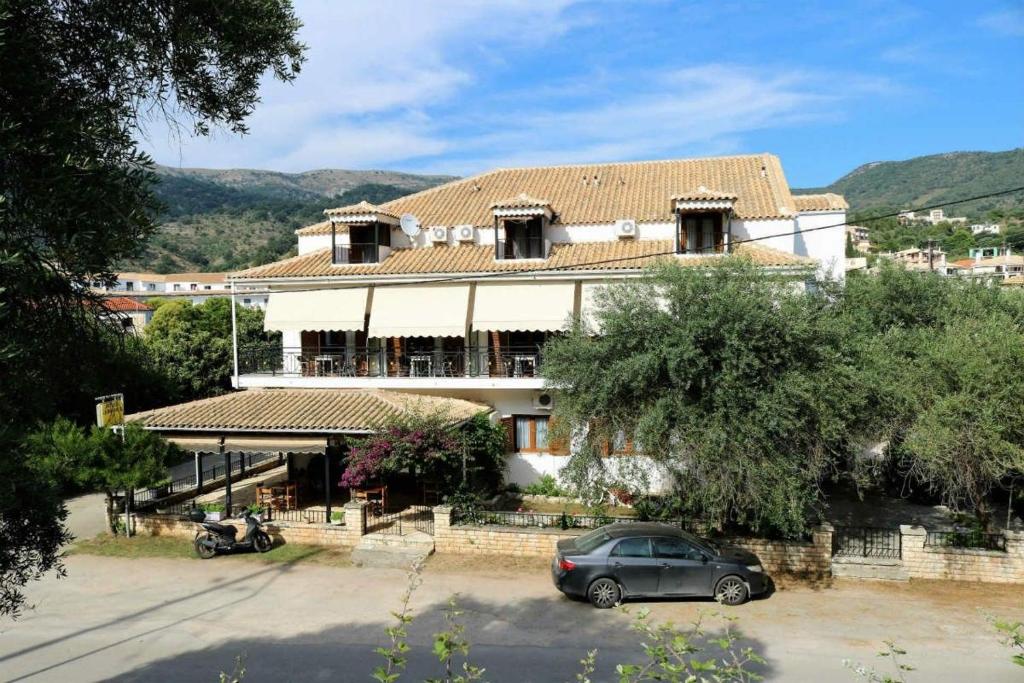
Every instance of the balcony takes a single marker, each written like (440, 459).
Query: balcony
(348, 366)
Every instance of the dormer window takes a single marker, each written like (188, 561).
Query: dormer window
(702, 221)
(519, 225)
(368, 230)
(524, 238)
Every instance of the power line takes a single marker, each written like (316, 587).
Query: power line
(621, 259)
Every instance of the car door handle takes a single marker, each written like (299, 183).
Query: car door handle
(665, 565)
(617, 565)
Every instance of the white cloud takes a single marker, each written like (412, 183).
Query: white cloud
(403, 84)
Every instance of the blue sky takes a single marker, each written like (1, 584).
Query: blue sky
(458, 87)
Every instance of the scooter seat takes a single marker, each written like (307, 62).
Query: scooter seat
(222, 529)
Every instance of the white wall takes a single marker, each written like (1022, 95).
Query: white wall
(778, 233)
(827, 246)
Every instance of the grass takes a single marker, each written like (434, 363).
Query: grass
(177, 548)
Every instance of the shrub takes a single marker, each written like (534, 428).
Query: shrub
(547, 485)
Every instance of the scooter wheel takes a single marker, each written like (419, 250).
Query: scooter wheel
(204, 552)
(262, 542)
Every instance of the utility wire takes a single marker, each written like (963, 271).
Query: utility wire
(621, 259)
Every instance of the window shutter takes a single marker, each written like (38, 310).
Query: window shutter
(510, 433)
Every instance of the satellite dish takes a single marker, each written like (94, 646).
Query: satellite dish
(410, 225)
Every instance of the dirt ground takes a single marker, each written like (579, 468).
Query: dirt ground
(165, 619)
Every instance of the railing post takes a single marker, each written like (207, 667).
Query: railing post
(227, 477)
(241, 464)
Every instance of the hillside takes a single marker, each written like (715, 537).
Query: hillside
(933, 179)
(228, 219)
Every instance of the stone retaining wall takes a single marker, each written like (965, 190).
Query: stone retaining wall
(791, 557)
(962, 564)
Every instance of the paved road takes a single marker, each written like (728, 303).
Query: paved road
(179, 620)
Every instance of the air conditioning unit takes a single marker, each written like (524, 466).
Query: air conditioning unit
(543, 400)
(625, 228)
(438, 233)
(464, 233)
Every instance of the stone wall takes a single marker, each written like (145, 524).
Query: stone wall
(282, 532)
(790, 557)
(962, 564)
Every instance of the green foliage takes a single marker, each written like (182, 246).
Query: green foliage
(450, 644)
(940, 360)
(212, 507)
(1011, 635)
(547, 485)
(396, 654)
(894, 655)
(740, 385)
(191, 344)
(934, 179)
(76, 198)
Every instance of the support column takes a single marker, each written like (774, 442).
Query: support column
(199, 472)
(442, 526)
(226, 457)
(327, 482)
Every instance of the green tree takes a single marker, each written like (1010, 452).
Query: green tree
(80, 80)
(958, 244)
(192, 345)
(734, 381)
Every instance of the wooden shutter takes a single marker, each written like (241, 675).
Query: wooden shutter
(509, 423)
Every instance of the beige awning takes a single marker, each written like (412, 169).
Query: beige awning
(423, 311)
(316, 310)
(507, 307)
(211, 444)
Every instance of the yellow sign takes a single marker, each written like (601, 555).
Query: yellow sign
(110, 410)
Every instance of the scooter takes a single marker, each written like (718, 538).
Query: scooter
(213, 537)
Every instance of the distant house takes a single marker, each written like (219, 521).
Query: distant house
(197, 287)
(127, 313)
(860, 237)
(985, 229)
(920, 259)
(934, 216)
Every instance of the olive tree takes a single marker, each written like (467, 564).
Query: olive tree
(734, 380)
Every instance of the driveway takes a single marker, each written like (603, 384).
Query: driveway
(182, 620)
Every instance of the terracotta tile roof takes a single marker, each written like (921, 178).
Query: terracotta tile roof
(604, 193)
(362, 208)
(703, 193)
(828, 201)
(321, 228)
(479, 258)
(521, 201)
(299, 410)
(123, 304)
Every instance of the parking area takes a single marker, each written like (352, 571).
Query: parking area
(173, 620)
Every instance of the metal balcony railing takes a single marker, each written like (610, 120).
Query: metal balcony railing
(359, 252)
(341, 361)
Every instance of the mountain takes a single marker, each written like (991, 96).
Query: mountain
(935, 179)
(228, 219)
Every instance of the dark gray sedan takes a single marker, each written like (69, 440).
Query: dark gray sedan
(653, 560)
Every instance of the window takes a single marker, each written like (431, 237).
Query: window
(151, 287)
(246, 302)
(701, 233)
(524, 238)
(129, 286)
(591, 540)
(177, 288)
(193, 287)
(530, 434)
(676, 549)
(633, 547)
(207, 287)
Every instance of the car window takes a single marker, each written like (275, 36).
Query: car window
(675, 549)
(591, 540)
(633, 547)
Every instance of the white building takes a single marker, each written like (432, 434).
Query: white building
(985, 229)
(197, 287)
(502, 260)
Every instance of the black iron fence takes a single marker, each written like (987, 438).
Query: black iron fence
(965, 538)
(379, 522)
(864, 541)
(341, 361)
(303, 516)
(240, 463)
(541, 520)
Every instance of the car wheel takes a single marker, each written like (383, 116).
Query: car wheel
(731, 591)
(604, 593)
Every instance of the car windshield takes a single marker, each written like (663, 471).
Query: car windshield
(590, 540)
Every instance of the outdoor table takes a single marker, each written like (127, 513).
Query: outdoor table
(524, 365)
(283, 496)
